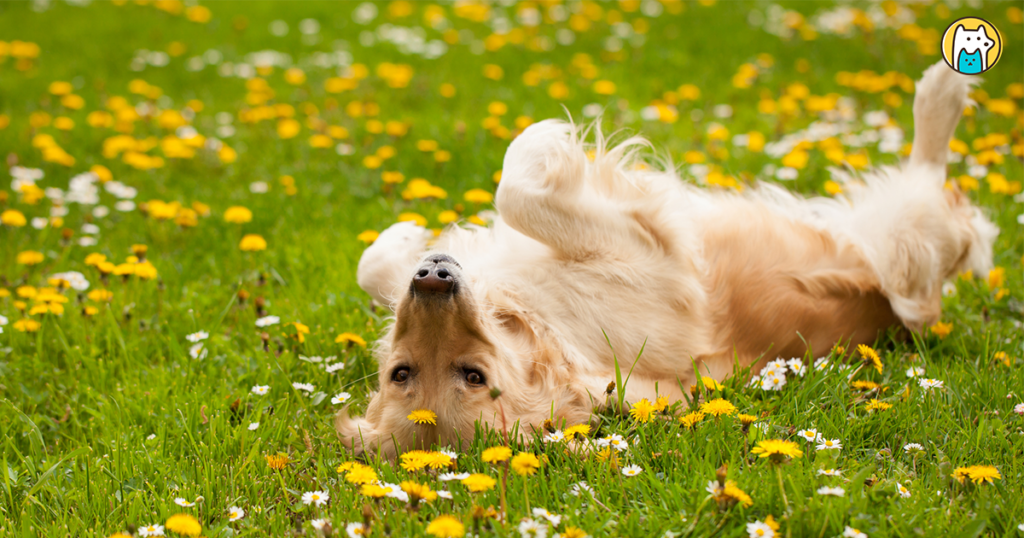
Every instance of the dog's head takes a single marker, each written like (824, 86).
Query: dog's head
(445, 353)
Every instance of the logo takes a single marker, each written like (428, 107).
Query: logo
(971, 45)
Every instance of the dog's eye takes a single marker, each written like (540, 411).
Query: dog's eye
(400, 375)
(474, 378)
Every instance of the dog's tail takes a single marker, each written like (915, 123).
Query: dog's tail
(940, 101)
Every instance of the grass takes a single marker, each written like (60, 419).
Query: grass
(106, 418)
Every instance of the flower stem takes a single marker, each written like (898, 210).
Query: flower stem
(785, 501)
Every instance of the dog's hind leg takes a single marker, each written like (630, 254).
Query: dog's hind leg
(914, 230)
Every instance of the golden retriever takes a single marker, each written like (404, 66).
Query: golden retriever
(588, 246)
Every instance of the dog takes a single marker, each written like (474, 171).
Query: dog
(591, 259)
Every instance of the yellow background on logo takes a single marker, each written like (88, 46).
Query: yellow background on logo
(972, 23)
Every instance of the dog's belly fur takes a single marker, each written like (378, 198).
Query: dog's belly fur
(780, 288)
(772, 287)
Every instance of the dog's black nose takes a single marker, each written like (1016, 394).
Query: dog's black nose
(434, 277)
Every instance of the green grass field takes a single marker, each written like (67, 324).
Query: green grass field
(318, 118)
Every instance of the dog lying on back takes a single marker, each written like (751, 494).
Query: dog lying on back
(586, 247)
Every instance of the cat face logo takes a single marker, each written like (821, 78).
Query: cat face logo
(971, 45)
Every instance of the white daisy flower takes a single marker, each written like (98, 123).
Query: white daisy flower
(318, 524)
(829, 444)
(235, 513)
(1020, 527)
(355, 530)
(267, 321)
(151, 436)
(314, 359)
(448, 477)
(714, 488)
(197, 336)
(759, 529)
(1019, 409)
(913, 448)
(821, 363)
(929, 384)
(151, 530)
(632, 470)
(445, 494)
(579, 488)
(261, 389)
(529, 528)
(317, 498)
(797, 367)
(197, 351)
(915, 371)
(755, 381)
(180, 501)
(834, 492)
(554, 437)
(3, 321)
(308, 387)
(253, 426)
(395, 492)
(829, 472)
(851, 532)
(810, 435)
(904, 492)
(543, 512)
(774, 382)
(450, 453)
(341, 398)
(331, 368)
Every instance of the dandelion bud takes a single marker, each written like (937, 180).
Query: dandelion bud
(67, 233)
(610, 388)
(243, 296)
(3, 197)
(140, 251)
(548, 425)
(721, 473)
(495, 393)
(367, 517)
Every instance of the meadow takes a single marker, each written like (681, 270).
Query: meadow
(191, 186)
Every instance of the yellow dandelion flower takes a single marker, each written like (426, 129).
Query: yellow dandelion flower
(13, 217)
(418, 492)
(423, 416)
(642, 411)
(373, 490)
(238, 215)
(26, 325)
(876, 405)
(478, 196)
(870, 354)
(478, 483)
(690, 420)
(718, 407)
(574, 532)
(747, 420)
(29, 257)
(349, 338)
(778, 450)
(368, 236)
(865, 385)
(941, 329)
(579, 429)
(446, 527)
(361, 475)
(183, 524)
(496, 454)
(983, 473)
(525, 463)
(733, 493)
(277, 461)
(252, 243)
(661, 403)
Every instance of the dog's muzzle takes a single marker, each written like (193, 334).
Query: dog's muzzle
(437, 275)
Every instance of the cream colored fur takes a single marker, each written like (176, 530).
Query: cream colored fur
(582, 248)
